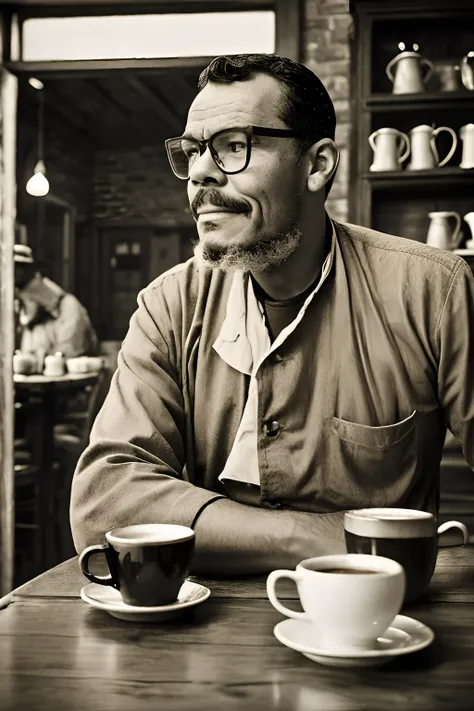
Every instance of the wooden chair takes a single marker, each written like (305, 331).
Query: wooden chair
(71, 437)
(32, 511)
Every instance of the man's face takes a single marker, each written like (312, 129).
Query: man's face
(260, 205)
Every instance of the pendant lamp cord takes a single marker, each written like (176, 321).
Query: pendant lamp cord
(40, 125)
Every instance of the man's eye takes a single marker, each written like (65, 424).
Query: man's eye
(189, 149)
(236, 146)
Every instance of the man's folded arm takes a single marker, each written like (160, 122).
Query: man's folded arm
(236, 539)
(131, 472)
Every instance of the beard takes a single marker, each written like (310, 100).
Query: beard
(261, 256)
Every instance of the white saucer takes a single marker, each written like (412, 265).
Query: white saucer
(405, 635)
(104, 597)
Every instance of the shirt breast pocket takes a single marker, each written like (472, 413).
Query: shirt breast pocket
(376, 465)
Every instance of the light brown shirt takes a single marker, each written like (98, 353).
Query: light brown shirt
(360, 391)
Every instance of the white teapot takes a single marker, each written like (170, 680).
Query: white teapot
(408, 77)
(467, 70)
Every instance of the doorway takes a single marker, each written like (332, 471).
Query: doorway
(69, 228)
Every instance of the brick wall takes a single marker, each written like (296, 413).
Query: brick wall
(326, 40)
(137, 185)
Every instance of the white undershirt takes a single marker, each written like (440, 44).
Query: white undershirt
(244, 343)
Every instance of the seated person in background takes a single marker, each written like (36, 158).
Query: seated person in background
(50, 319)
(295, 367)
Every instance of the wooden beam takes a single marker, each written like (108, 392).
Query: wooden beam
(182, 85)
(103, 95)
(57, 101)
(103, 67)
(8, 104)
(289, 23)
(158, 105)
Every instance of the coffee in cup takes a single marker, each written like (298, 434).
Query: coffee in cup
(350, 599)
(148, 563)
(409, 536)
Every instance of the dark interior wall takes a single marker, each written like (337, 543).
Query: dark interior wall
(69, 156)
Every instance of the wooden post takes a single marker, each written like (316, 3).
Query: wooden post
(8, 110)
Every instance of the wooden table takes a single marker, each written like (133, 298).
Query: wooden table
(58, 653)
(42, 420)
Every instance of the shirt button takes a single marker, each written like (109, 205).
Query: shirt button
(271, 428)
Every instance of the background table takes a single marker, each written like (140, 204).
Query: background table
(58, 653)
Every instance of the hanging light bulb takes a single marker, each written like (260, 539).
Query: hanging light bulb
(38, 184)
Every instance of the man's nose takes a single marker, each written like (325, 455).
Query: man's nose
(205, 170)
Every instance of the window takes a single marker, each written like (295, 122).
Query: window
(155, 36)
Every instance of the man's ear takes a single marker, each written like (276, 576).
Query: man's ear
(323, 159)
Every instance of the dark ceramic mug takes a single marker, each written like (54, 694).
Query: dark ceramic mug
(148, 563)
(410, 537)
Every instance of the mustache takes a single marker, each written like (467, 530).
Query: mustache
(211, 196)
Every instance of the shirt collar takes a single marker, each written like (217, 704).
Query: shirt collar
(232, 343)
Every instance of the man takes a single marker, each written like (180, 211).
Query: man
(50, 320)
(295, 367)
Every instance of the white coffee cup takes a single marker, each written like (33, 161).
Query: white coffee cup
(349, 610)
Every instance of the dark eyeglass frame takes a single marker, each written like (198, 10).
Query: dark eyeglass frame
(248, 130)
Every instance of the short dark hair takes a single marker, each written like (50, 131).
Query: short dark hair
(305, 106)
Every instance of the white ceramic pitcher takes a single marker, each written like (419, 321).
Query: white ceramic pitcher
(424, 154)
(390, 147)
(469, 218)
(440, 233)
(408, 77)
(467, 137)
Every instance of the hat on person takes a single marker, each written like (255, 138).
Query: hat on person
(23, 254)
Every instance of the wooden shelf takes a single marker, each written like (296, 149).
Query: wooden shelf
(419, 178)
(398, 202)
(427, 100)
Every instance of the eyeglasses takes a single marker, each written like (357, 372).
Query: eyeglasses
(230, 149)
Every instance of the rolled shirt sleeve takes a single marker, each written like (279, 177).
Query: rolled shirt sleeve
(456, 359)
(132, 470)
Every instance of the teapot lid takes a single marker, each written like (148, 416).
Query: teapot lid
(408, 53)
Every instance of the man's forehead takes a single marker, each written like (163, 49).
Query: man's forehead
(251, 102)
